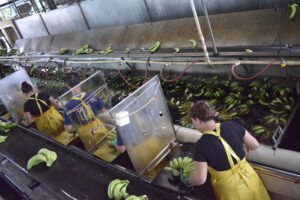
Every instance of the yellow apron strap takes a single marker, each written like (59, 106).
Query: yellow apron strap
(229, 151)
(38, 104)
(84, 105)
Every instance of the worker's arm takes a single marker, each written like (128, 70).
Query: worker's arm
(53, 101)
(250, 141)
(200, 174)
(28, 117)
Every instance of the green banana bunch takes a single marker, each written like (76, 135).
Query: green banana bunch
(279, 120)
(133, 197)
(2, 138)
(51, 156)
(108, 50)
(44, 155)
(154, 47)
(282, 105)
(185, 163)
(242, 109)
(63, 51)
(86, 49)
(176, 50)
(258, 130)
(35, 160)
(293, 11)
(194, 43)
(6, 126)
(117, 189)
(232, 100)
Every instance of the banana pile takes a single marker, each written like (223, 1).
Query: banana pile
(117, 190)
(6, 126)
(86, 49)
(44, 155)
(3, 138)
(154, 47)
(184, 112)
(185, 163)
(270, 119)
(281, 106)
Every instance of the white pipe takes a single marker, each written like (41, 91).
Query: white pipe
(201, 38)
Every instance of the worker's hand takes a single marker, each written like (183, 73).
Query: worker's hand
(183, 179)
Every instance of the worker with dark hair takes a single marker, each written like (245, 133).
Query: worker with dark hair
(81, 110)
(41, 107)
(220, 152)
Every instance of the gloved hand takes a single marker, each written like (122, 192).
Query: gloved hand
(184, 179)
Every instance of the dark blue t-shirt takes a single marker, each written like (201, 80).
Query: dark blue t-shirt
(93, 101)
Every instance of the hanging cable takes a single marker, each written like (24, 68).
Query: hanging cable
(177, 77)
(254, 76)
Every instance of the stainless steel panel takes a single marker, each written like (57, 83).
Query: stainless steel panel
(168, 9)
(31, 26)
(11, 94)
(150, 130)
(101, 13)
(65, 20)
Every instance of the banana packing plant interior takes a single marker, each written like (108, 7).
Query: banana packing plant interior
(266, 103)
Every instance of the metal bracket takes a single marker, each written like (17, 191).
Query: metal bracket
(277, 136)
(131, 66)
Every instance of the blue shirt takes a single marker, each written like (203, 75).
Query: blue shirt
(93, 101)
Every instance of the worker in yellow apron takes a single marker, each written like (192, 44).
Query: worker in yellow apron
(238, 181)
(40, 108)
(80, 113)
(94, 130)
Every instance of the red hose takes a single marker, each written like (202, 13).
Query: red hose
(177, 77)
(254, 76)
(124, 78)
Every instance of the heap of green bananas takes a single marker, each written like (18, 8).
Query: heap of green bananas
(117, 189)
(233, 99)
(154, 47)
(281, 106)
(6, 126)
(182, 163)
(270, 119)
(2, 138)
(133, 197)
(44, 155)
(86, 49)
(184, 112)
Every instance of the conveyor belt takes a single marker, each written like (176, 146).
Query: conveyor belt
(73, 175)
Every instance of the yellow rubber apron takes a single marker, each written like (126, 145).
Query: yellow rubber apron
(90, 134)
(238, 182)
(51, 121)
